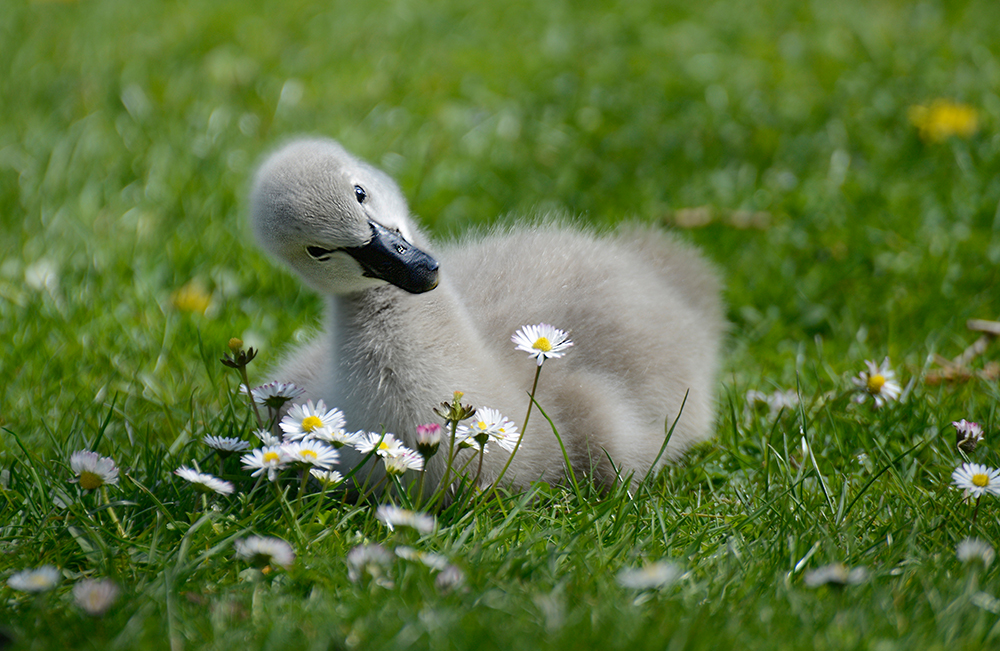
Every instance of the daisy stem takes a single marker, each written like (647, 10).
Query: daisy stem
(287, 510)
(976, 512)
(111, 511)
(479, 468)
(371, 490)
(443, 486)
(302, 491)
(420, 485)
(253, 403)
(524, 428)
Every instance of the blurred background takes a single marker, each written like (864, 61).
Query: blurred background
(837, 161)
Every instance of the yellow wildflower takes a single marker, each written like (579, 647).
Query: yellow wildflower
(943, 119)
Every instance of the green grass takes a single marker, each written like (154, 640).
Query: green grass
(129, 130)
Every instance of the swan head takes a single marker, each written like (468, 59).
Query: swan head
(342, 224)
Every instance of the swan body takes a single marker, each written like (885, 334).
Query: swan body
(410, 322)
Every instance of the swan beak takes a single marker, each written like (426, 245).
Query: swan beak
(390, 257)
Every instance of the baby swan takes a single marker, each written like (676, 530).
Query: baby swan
(404, 332)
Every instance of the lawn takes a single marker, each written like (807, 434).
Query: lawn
(838, 162)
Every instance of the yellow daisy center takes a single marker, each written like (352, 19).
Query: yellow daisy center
(383, 446)
(542, 344)
(979, 479)
(875, 383)
(271, 457)
(310, 423)
(481, 425)
(90, 480)
(309, 454)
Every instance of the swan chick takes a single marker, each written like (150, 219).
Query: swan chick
(409, 322)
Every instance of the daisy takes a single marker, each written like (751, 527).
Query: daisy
(405, 460)
(430, 559)
(310, 452)
(649, 577)
(225, 446)
(974, 550)
(428, 439)
(305, 420)
(450, 578)
(384, 445)
(95, 596)
(977, 479)
(968, 435)
(541, 341)
(836, 574)
(879, 382)
(372, 560)
(328, 478)
(393, 517)
(92, 470)
(274, 394)
(267, 439)
(489, 425)
(272, 459)
(39, 579)
(262, 551)
(204, 483)
(338, 438)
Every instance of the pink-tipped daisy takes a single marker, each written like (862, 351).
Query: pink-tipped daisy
(393, 516)
(542, 341)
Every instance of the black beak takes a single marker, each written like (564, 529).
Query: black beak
(391, 258)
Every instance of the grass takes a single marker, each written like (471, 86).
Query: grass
(128, 132)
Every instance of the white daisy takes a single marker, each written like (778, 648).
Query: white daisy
(372, 560)
(405, 459)
(312, 453)
(393, 517)
(328, 478)
(974, 550)
(836, 574)
(95, 596)
(338, 438)
(879, 382)
(267, 439)
(450, 578)
(384, 445)
(976, 479)
(204, 482)
(262, 551)
(92, 470)
(430, 559)
(541, 341)
(274, 394)
(649, 577)
(272, 459)
(226, 445)
(967, 435)
(306, 420)
(39, 579)
(489, 425)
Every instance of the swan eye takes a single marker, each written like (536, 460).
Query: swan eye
(360, 194)
(319, 253)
